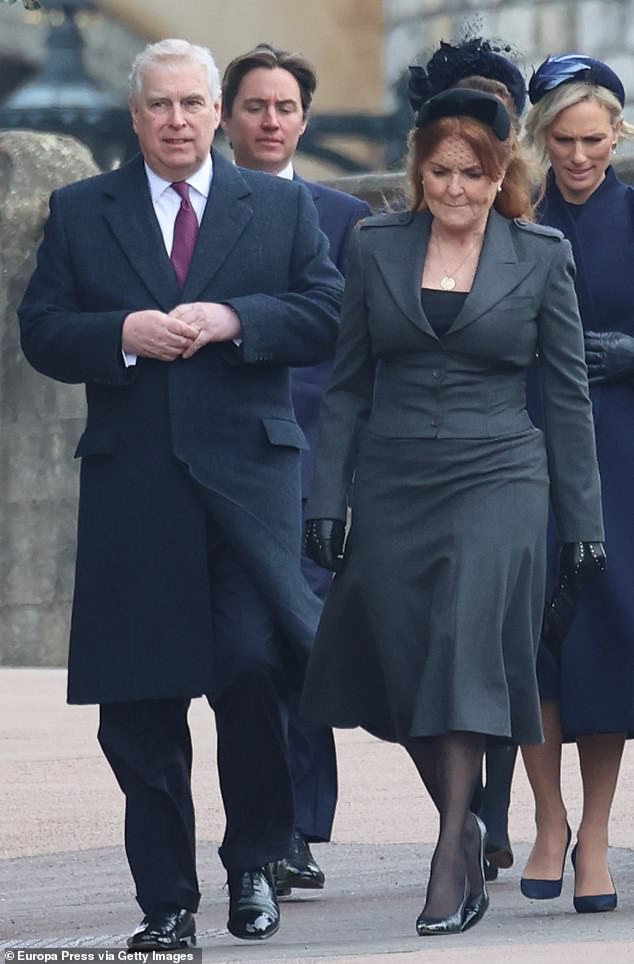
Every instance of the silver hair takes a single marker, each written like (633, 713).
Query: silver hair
(173, 51)
(544, 113)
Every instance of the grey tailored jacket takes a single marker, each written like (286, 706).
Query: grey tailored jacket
(158, 434)
(470, 383)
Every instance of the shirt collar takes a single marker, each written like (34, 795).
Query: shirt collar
(287, 172)
(200, 180)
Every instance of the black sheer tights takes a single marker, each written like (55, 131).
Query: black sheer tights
(449, 766)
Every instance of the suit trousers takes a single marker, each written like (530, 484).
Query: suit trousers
(148, 746)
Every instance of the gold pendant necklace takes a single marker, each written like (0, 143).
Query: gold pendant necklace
(448, 280)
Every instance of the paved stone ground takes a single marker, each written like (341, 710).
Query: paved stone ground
(64, 880)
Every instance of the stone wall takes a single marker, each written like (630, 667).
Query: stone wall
(40, 420)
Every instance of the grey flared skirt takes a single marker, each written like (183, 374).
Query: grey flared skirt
(433, 624)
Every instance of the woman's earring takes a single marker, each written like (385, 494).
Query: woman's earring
(614, 148)
(499, 188)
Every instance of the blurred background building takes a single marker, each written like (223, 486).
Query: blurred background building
(361, 49)
(111, 32)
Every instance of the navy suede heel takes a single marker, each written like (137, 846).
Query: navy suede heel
(537, 889)
(593, 903)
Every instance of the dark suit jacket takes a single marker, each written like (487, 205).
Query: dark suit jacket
(395, 376)
(224, 418)
(338, 213)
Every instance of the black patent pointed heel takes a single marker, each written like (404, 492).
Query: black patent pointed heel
(477, 906)
(436, 926)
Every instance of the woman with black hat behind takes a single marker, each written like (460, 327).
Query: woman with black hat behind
(575, 125)
(429, 633)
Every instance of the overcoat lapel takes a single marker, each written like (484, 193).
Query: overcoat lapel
(227, 214)
(498, 273)
(131, 216)
(311, 187)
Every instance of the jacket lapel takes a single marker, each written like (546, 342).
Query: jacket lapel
(311, 187)
(227, 214)
(498, 273)
(400, 262)
(131, 217)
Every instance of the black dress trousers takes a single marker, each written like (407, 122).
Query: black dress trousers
(148, 746)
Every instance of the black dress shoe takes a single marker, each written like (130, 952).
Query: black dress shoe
(499, 854)
(164, 930)
(298, 869)
(254, 913)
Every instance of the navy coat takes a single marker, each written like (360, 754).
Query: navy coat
(141, 621)
(597, 668)
(338, 213)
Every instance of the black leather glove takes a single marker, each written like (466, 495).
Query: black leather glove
(579, 564)
(609, 356)
(323, 542)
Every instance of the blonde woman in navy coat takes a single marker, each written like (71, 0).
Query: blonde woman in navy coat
(429, 635)
(575, 125)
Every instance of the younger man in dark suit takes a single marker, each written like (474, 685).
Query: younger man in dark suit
(188, 578)
(266, 97)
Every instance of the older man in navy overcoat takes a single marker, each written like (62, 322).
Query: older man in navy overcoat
(188, 577)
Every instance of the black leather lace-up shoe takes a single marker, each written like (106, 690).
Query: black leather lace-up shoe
(164, 930)
(298, 869)
(254, 913)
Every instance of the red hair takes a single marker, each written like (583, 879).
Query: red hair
(497, 159)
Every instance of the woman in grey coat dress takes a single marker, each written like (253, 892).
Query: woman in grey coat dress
(429, 634)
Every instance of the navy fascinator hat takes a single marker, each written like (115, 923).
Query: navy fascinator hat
(566, 68)
(452, 63)
(464, 102)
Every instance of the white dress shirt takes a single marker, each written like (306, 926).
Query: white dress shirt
(287, 172)
(166, 202)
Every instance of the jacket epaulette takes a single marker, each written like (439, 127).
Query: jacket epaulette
(544, 229)
(384, 219)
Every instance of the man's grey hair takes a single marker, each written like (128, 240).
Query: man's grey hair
(173, 52)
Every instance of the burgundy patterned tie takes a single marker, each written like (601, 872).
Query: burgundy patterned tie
(185, 233)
